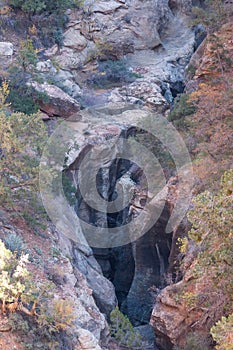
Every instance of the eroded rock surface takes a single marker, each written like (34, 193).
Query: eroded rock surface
(154, 40)
(55, 102)
(91, 328)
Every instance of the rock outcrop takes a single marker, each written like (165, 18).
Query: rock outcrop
(6, 49)
(54, 101)
(91, 328)
(142, 34)
(193, 302)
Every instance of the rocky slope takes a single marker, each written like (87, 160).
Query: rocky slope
(154, 41)
(141, 33)
(174, 316)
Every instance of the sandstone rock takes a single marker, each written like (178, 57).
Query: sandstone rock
(87, 340)
(153, 247)
(142, 91)
(117, 27)
(69, 59)
(103, 290)
(61, 78)
(168, 323)
(208, 60)
(74, 40)
(106, 6)
(6, 48)
(88, 316)
(60, 104)
(45, 67)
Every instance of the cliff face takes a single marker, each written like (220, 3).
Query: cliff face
(54, 258)
(139, 34)
(196, 302)
(107, 110)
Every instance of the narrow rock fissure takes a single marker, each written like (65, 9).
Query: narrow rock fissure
(137, 270)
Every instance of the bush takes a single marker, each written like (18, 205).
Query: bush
(122, 330)
(15, 244)
(14, 278)
(222, 333)
(22, 142)
(182, 108)
(213, 14)
(22, 97)
(57, 315)
(111, 73)
(38, 6)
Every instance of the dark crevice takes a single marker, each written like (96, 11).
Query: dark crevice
(137, 270)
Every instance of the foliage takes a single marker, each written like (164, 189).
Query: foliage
(22, 97)
(27, 56)
(208, 286)
(222, 333)
(57, 315)
(15, 244)
(38, 6)
(183, 244)
(111, 73)
(122, 330)
(4, 92)
(22, 141)
(102, 51)
(211, 125)
(213, 15)
(182, 108)
(190, 299)
(212, 230)
(14, 276)
(19, 292)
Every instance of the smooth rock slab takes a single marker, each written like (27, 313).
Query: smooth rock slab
(73, 39)
(6, 48)
(87, 340)
(59, 103)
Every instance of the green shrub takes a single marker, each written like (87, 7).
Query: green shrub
(22, 97)
(69, 190)
(213, 14)
(27, 56)
(38, 6)
(22, 100)
(182, 108)
(111, 73)
(22, 142)
(122, 330)
(15, 244)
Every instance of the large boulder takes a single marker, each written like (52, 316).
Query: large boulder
(6, 48)
(56, 102)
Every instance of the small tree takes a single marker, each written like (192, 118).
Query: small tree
(122, 330)
(14, 278)
(22, 139)
(222, 333)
